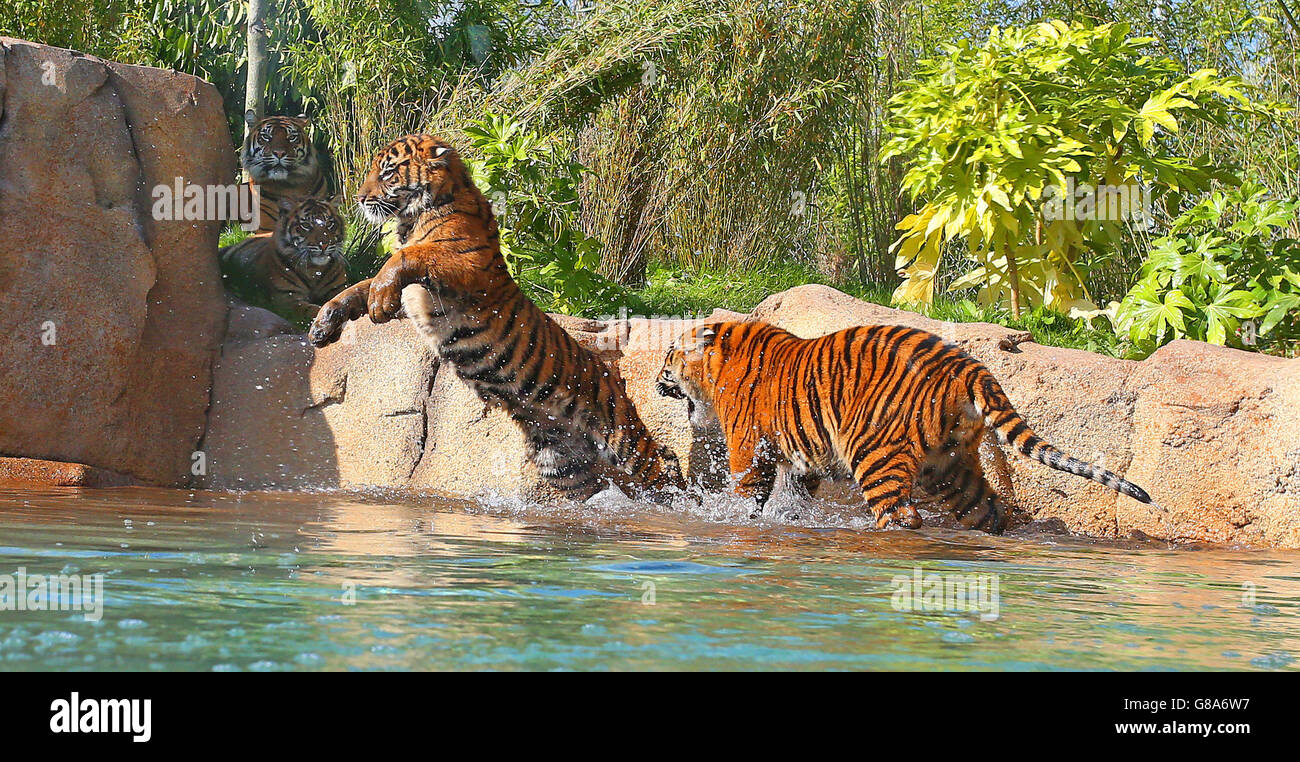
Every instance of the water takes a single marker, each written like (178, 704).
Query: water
(302, 581)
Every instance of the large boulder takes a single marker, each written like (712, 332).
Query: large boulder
(110, 319)
(375, 410)
(1213, 434)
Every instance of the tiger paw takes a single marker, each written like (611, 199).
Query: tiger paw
(385, 302)
(329, 321)
(904, 516)
(327, 326)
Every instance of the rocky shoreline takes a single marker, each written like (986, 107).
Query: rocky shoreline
(151, 376)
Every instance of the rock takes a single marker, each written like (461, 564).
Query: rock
(1213, 434)
(1216, 431)
(110, 319)
(30, 473)
(245, 322)
(350, 415)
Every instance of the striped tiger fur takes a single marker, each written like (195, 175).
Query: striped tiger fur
(282, 163)
(575, 415)
(295, 269)
(900, 409)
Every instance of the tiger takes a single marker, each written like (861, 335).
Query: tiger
(899, 409)
(296, 268)
(282, 163)
(577, 420)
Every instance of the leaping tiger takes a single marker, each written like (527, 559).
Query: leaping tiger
(572, 409)
(902, 409)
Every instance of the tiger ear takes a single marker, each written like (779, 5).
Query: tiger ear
(700, 338)
(250, 117)
(439, 151)
(287, 204)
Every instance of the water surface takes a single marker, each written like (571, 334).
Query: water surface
(333, 581)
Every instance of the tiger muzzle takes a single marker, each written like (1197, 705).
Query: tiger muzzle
(667, 389)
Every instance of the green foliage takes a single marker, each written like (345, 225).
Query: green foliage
(1225, 261)
(991, 133)
(680, 291)
(704, 126)
(703, 123)
(90, 26)
(232, 234)
(533, 187)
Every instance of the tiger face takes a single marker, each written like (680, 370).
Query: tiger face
(410, 176)
(685, 374)
(310, 232)
(278, 149)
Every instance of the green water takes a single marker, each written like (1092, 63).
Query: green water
(275, 581)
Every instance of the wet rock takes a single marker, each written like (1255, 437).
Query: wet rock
(1213, 434)
(30, 473)
(110, 320)
(245, 322)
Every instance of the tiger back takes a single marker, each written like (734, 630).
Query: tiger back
(283, 164)
(294, 269)
(899, 409)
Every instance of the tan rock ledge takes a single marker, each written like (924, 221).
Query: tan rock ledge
(1212, 433)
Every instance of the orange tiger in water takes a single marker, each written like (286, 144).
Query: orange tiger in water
(899, 408)
(282, 163)
(572, 410)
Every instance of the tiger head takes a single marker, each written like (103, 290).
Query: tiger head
(278, 149)
(309, 232)
(686, 375)
(410, 176)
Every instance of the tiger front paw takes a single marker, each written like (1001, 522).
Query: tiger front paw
(329, 321)
(385, 302)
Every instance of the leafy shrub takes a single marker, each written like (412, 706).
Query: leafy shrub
(1225, 274)
(534, 191)
(990, 133)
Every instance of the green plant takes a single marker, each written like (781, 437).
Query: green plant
(534, 190)
(1224, 262)
(991, 133)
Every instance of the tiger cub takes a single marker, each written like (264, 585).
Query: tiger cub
(281, 161)
(571, 407)
(296, 268)
(901, 409)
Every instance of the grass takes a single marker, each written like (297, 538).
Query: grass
(670, 291)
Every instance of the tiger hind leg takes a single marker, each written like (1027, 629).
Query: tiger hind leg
(954, 477)
(886, 480)
(754, 471)
(566, 461)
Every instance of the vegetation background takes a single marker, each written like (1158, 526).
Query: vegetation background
(672, 156)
